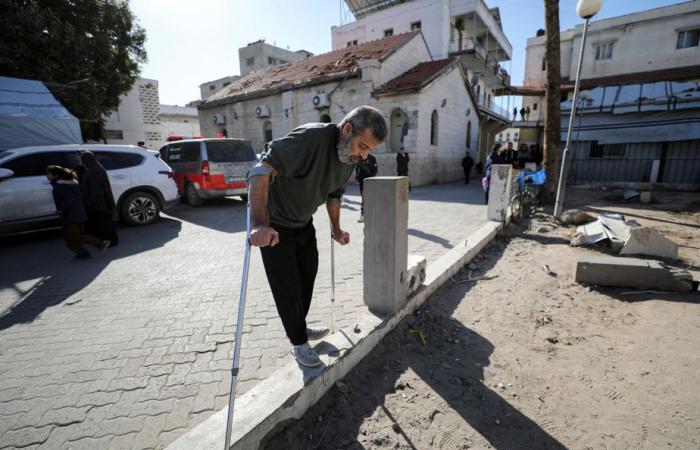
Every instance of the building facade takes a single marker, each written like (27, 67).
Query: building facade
(138, 117)
(639, 109)
(465, 29)
(260, 55)
(179, 121)
(210, 87)
(429, 106)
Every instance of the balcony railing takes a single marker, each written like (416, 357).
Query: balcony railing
(480, 54)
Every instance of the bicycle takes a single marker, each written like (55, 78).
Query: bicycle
(526, 194)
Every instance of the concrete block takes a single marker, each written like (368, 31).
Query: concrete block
(648, 241)
(415, 272)
(386, 244)
(499, 192)
(631, 272)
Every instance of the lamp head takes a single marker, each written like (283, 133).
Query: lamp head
(588, 8)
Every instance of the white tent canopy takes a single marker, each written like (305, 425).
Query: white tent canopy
(31, 115)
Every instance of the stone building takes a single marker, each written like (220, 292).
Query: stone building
(639, 114)
(429, 105)
(179, 121)
(260, 55)
(211, 87)
(464, 29)
(138, 116)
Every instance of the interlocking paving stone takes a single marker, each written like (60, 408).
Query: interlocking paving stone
(133, 348)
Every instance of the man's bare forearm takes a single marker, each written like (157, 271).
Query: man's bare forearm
(259, 190)
(333, 207)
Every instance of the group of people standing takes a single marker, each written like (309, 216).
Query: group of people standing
(524, 113)
(85, 204)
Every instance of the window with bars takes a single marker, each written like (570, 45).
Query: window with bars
(604, 51)
(688, 38)
(608, 151)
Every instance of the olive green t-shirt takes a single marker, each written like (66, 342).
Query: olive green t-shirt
(308, 173)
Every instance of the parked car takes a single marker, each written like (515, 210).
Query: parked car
(210, 168)
(142, 183)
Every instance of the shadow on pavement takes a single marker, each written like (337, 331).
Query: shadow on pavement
(39, 272)
(430, 237)
(221, 214)
(451, 363)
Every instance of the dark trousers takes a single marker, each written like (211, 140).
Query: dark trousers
(291, 268)
(101, 224)
(466, 174)
(75, 237)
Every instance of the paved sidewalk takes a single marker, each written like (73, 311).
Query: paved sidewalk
(133, 348)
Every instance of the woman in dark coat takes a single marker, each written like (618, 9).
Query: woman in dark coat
(98, 198)
(69, 204)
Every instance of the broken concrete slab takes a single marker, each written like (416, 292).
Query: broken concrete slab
(631, 272)
(647, 241)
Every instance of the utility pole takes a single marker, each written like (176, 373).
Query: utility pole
(552, 111)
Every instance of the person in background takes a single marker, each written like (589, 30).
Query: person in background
(527, 113)
(509, 155)
(366, 168)
(402, 160)
(493, 158)
(97, 197)
(467, 163)
(69, 205)
(515, 113)
(522, 113)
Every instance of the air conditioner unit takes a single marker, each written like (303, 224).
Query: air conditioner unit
(262, 111)
(218, 119)
(320, 100)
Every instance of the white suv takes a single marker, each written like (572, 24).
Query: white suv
(142, 183)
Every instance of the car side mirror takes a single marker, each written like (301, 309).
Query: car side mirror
(5, 173)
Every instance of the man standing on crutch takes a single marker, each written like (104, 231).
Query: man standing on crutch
(301, 171)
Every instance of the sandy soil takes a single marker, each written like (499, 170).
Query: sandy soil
(530, 359)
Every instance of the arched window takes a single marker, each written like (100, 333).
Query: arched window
(325, 118)
(434, 128)
(469, 134)
(267, 131)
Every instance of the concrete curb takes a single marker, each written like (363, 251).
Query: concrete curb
(289, 392)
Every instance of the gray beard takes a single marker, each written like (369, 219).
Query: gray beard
(344, 151)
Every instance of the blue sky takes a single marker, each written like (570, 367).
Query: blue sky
(190, 42)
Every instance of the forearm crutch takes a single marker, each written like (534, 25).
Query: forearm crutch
(239, 329)
(332, 282)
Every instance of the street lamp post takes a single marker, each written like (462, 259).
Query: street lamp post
(586, 9)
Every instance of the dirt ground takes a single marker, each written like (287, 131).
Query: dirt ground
(530, 359)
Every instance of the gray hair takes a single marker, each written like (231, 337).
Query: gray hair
(364, 117)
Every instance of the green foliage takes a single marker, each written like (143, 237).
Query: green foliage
(63, 41)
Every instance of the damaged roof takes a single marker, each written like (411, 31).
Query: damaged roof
(314, 70)
(415, 78)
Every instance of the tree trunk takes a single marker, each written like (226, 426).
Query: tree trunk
(552, 110)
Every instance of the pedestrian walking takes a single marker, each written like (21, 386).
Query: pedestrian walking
(69, 205)
(522, 113)
(527, 113)
(402, 160)
(493, 158)
(308, 167)
(467, 163)
(97, 197)
(366, 168)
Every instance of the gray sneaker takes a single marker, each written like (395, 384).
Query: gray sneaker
(305, 355)
(316, 333)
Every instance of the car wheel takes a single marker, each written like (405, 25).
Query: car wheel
(191, 195)
(140, 208)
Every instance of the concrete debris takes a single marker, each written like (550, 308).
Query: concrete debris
(575, 217)
(645, 197)
(632, 272)
(626, 237)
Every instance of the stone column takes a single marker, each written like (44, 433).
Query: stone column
(499, 192)
(386, 244)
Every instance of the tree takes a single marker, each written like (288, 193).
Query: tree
(552, 111)
(87, 51)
